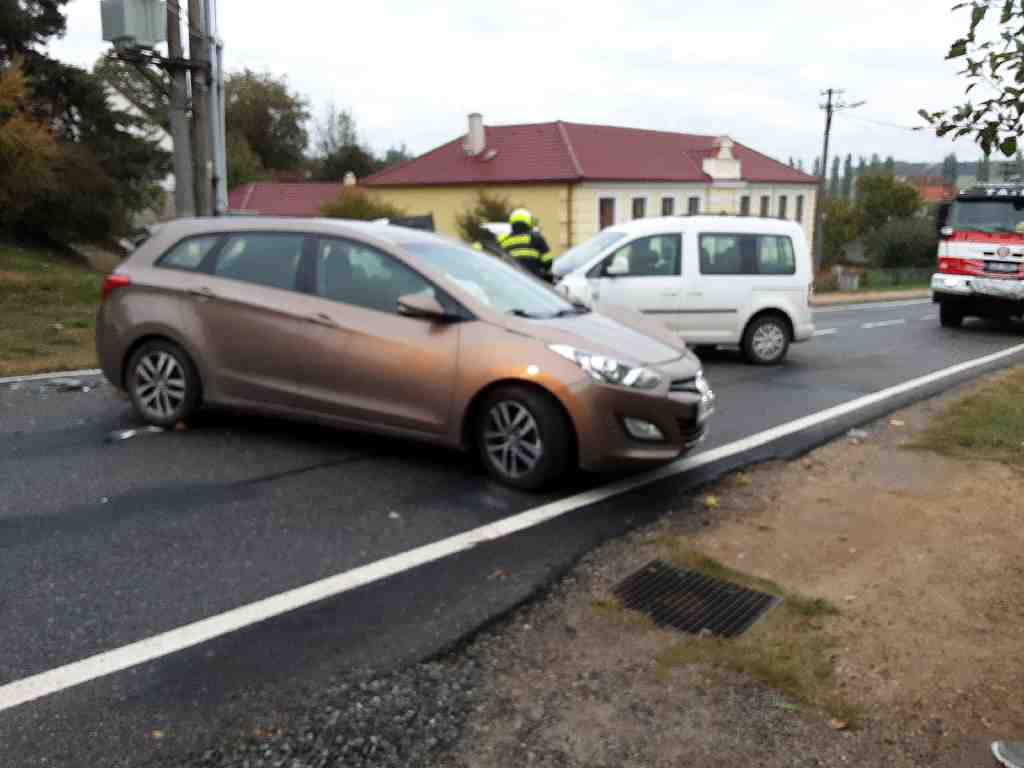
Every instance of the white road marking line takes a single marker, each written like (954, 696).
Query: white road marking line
(873, 305)
(826, 332)
(932, 316)
(172, 641)
(883, 323)
(43, 376)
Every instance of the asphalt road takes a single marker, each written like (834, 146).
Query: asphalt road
(104, 544)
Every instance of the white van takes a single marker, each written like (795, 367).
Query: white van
(713, 279)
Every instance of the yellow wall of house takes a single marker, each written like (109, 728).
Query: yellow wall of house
(548, 202)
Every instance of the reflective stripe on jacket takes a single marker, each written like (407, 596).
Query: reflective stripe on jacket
(520, 246)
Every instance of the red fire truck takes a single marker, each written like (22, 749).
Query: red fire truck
(981, 254)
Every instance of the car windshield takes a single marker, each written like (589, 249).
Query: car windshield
(501, 286)
(576, 257)
(988, 215)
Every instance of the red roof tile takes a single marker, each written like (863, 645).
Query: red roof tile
(576, 152)
(282, 198)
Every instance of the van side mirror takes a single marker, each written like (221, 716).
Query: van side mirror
(617, 267)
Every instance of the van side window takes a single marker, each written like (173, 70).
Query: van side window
(654, 256)
(732, 254)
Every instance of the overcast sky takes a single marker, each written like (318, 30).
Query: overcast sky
(410, 71)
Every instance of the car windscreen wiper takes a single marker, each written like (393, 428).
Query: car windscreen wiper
(577, 309)
(529, 315)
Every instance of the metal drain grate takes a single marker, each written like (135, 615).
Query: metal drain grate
(691, 602)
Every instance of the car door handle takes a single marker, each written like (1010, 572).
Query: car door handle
(320, 318)
(203, 293)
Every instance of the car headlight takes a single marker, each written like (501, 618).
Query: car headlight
(608, 369)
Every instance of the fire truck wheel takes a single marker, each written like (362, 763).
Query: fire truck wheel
(950, 317)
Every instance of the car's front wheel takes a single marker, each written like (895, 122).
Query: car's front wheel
(766, 340)
(162, 383)
(523, 437)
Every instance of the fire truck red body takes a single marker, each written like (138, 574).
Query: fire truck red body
(981, 254)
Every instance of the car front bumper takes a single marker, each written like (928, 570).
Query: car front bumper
(601, 410)
(980, 294)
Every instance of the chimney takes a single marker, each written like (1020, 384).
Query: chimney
(723, 165)
(349, 179)
(476, 140)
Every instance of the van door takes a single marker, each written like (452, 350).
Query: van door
(645, 275)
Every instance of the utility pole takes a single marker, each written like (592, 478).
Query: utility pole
(198, 52)
(217, 139)
(184, 186)
(833, 103)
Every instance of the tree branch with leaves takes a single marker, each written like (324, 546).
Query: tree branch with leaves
(995, 65)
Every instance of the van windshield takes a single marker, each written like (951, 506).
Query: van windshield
(579, 255)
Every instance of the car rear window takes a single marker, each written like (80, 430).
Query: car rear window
(743, 254)
(189, 253)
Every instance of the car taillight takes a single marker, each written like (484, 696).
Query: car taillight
(111, 283)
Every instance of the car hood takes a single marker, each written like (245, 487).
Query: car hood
(613, 331)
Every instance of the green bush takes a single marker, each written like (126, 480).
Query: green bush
(487, 208)
(903, 243)
(356, 204)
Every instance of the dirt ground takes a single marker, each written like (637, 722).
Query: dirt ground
(921, 665)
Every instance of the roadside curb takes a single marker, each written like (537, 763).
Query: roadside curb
(55, 375)
(908, 296)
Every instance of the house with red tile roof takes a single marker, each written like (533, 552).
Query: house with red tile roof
(576, 179)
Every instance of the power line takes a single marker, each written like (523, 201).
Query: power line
(913, 128)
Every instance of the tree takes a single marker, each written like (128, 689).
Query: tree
(800, 165)
(950, 168)
(817, 166)
(244, 165)
(876, 161)
(890, 164)
(338, 148)
(145, 87)
(984, 173)
(997, 65)
(354, 203)
(881, 198)
(847, 186)
(28, 151)
(791, 163)
(106, 165)
(396, 155)
(842, 226)
(904, 242)
(271, 118)
(486, 208)
(833, 187)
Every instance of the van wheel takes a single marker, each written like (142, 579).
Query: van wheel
(950, 317)
(162, 383)
(523, 437)
(766, 340)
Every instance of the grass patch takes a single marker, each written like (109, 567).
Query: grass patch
(789, 649)
(48, 303)
(986, 424)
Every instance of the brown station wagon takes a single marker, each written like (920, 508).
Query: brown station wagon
(396, 331)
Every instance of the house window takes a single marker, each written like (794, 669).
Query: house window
(799, 209)
(668, 206)
(606, 208)
(693, 206)
(783, 205)
(745, 205)
(639, 207)
(766, 201)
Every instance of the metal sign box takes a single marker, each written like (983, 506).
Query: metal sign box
(134, 23)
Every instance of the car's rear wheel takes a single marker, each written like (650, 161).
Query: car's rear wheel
(523, 437)
(766, 340)
(950, 317)
(162, 383)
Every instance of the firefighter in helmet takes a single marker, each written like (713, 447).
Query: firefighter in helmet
(526, 245)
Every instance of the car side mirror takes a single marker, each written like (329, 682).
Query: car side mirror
(941, 217)
(619, 266)
(422, 305)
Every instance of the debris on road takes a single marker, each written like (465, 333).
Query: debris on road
(180, 426)
(711, 502)
(392, 515)
(69, 385)
(857, 434)
(897, 423)
(127, 434)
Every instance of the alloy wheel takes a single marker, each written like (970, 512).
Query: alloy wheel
(769, 341)
(160, 385)
(512, 439)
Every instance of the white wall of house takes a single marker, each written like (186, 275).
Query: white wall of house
(720, 197)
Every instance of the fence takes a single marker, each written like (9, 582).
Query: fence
(873, 279)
